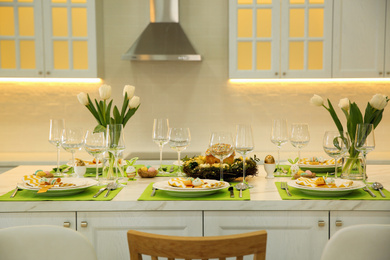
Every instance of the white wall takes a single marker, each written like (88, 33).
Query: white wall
(193, 94)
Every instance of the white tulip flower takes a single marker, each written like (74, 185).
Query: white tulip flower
(105, 91)
(317, 100)
(129, 89)
(134, 102)
(83, 99)
(378, 101)
(344, 104)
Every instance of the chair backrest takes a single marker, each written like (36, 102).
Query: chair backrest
(359, 242)
(44, 242)
(171, 247)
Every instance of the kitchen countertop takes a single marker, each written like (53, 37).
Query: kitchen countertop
(264, 196)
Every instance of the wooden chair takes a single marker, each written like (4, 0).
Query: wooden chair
(171, 247)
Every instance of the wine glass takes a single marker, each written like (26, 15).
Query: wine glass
(365, 142)
(221, 146)
(179, 139)
(279, 137)
(95, 145)
(299, 137)
(336, 145)
(244, 144)
(161, 135)
(115, 141)
(55, 134)
(72, 141)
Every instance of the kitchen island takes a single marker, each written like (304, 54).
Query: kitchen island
(297, 229)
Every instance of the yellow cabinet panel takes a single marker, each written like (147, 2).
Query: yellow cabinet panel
(264, 57)
(297, 22)
(25, 1)
(79, 22)
(60, 21)
(316, 22)
(26, 21)
(244, 2)
(61, 55)
(7, 24)
(27, 54)
(80, 55)
(316, 1)
(245, 21)
(79, 1)
(7, 54)
(244, 58)
(59, 1)
(296, 55)
(315, 55)
(297, 2)
(264, 2)
(264, 23)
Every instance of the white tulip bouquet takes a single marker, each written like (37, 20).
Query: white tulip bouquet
(102, 111)
(373, 115)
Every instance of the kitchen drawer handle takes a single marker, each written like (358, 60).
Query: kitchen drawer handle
(276, 74)
(380, 72)
(284, 73)
(321, 223)
(48, 73)
(388, 73)
(84, 224)
(339, 223)
(66, 224)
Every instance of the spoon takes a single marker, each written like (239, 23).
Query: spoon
(241, 186)
(111, 186)
(378, 186)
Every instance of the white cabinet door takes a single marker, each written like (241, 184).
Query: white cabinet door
(108, 230)
(359, 38)
(67, 219)
(342, 219)
(290, 233)
(387, 43)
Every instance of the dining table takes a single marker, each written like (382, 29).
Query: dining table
(298, 222)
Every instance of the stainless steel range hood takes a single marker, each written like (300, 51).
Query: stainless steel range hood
(163, 39)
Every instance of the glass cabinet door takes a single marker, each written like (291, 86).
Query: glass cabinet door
(21, 48)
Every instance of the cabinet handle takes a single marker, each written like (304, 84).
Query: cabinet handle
(84, 224)
(66, 224)
(40, 72)
(339, 223)
(48, 73)
(321, 223)
(284, 73)
(388, 73)
(276, 73)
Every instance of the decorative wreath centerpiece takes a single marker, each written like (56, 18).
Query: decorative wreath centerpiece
(208, 167)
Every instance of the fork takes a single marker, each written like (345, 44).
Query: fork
(283, 185)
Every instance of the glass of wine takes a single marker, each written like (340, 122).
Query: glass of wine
(95, 145)
(55, 134)
(221, 146)
(244, 144)
(161, 136)
(279, 137)
(115, 141)
(299, 137)
(72, 141)
(365, 142)
(179, 139)
(336, 145)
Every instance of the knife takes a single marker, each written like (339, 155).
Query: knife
(100, 191)
(231, 192)
(14, 193)
(153, 192)
(369, 191)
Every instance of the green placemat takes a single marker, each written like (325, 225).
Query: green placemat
(287, 167)
(354, 195)
(220, 195)
(168, 167)
(26, 195)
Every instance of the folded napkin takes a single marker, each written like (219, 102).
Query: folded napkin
(220, 195)
(87, 195)
(354, 195)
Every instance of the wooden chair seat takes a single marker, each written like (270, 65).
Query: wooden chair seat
(173, 247)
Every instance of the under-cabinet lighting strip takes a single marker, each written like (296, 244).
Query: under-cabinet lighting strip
(311, 80)
(51, 80)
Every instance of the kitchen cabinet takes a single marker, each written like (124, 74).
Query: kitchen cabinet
(55, 39)
(280, 38)
(342, 219)
(361, 35)
(297, 233)
(108, 230)
(65, 219)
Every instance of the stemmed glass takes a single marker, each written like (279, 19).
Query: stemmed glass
(279, 137)
(221, 146)
(56, 128)
(95, 145)
(115, 140)
(179, 139)
(365, 142)
(299, 137)
(336, 145)
(244, 144)
(161, 135)
(72, 141)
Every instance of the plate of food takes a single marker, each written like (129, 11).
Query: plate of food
(325, 186)
(55, 186)
(190, 187)
(318, 164)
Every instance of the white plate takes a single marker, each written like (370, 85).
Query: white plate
(188, 192)
(81, 185)
(326, 191)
